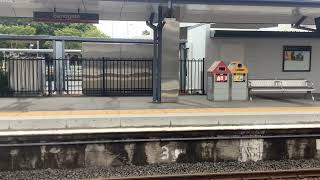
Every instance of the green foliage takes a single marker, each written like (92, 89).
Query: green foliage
(25, 26)
(67, 31)
(17, 29)
(44, 29)
(94, 32)
(145, 33)
(83, 31)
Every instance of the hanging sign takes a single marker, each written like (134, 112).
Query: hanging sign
(66, 17)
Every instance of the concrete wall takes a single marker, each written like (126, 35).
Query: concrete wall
(144, 153)
(263, 56)
(99, 50)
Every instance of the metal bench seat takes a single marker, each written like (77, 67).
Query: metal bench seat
(280, 86)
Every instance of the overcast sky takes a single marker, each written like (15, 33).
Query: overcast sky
(128, 29)
(124, 29)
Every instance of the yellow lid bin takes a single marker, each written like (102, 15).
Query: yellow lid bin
(239, 82)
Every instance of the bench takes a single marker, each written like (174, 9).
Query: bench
(264, 86)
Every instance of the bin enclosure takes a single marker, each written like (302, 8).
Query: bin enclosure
(239, 81)
(27, 77)
(218, 82)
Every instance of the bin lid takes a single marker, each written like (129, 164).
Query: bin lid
(219, 67)
(238, 67)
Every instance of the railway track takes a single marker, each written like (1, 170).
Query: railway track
(303, 174)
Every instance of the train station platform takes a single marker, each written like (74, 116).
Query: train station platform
(68, 115)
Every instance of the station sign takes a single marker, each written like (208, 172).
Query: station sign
(64, 17)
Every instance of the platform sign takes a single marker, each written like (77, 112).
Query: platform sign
(221, 77)
(65, 17)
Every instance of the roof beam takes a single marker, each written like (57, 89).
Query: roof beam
(280, 3)
(297, 25)
(74, 38)
(262, 34)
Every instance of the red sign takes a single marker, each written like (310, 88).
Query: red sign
(221, 77)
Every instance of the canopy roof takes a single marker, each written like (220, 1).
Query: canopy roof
(219, 11)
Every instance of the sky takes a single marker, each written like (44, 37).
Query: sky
(128, 29)
(125, 29)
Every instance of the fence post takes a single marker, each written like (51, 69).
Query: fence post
(49, 77)
(203, 74)
(103, 77)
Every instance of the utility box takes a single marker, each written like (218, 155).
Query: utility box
(239, 81)
(218, 82)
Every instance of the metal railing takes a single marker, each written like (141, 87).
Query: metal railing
(80, 77)
(192, 77)
(91, 77)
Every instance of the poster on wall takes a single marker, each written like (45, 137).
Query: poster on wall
(296, 58)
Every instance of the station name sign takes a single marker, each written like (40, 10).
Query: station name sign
(66, 17)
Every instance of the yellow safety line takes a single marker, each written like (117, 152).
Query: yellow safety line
(161, 111)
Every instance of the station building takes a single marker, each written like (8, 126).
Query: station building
(262, 51)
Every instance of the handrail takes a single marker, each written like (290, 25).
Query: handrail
(279, 83)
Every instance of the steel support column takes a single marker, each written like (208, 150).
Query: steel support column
(157, 50)
(58, 55)
(159, 32)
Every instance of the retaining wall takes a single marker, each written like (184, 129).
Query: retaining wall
(143, 153)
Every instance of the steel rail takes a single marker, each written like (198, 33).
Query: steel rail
(141, 140)
(254, 175)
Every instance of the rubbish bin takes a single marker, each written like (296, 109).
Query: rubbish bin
(218, 82)
(239, 82)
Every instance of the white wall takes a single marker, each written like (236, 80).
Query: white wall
(263, 56)
(197, 38)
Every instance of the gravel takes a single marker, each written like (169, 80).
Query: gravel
(157, 169)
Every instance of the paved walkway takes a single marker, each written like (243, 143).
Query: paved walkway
(120, 103)
(101, 115)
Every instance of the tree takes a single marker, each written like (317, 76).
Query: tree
(25, 26)
(94, 32)
(16, 30)
(83, 31)
(68, 31)
(145, 33)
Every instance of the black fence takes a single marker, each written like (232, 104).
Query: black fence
(192, 77)
(91, 77)
(76, 77)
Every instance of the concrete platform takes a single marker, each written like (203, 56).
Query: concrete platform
(109, 115)
(116, 103)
